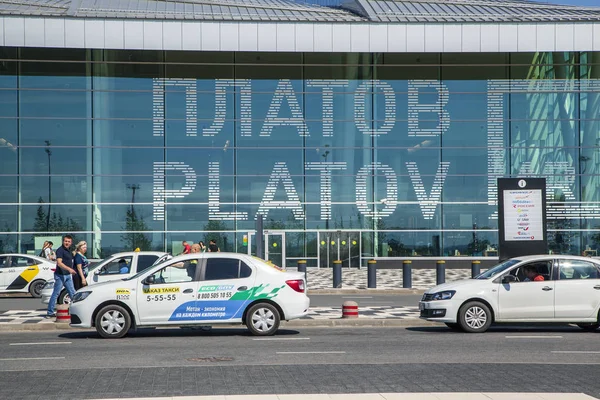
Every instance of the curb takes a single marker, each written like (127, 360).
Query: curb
(364, 291)
(298, 323)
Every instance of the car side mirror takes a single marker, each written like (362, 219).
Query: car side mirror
(98, 271)
(509, 279)
(149, 280)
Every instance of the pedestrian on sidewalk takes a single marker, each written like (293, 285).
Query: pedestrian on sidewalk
(47, 251)
(63, 276)
(187, 249)
(212, 246)
(81, 266)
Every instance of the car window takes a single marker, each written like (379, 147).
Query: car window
(18, 261)
(503, 266)
(542, 268)
(145, 261)
(121, 265)
(183, 271)
(226, 268)
(578, 269)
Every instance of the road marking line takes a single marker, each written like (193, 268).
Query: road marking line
(575, 352)
(32, 359)
(311, 352)
(533, 337)
(299, 338)
(38, 343)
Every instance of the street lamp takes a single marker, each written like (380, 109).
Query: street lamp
(49, 152)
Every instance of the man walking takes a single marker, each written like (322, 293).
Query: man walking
(63, 276)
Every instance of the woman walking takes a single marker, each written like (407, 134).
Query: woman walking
(81, 266)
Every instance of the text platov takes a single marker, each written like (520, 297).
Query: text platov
(280, 176)
(285, 97)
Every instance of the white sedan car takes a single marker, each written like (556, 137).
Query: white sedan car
(545, 288)
(201, 289)
(24, 273)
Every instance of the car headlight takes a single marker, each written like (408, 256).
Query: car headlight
(49, 285)
(445, 295)
(80, 296)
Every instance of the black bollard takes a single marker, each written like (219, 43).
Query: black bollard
(440, 272)
(372, 274)
(475, 268)
(407, 274)
(302, 268)
(337, 274)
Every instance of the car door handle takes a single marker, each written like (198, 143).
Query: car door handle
(546, 288)
(30, 269)
(241, 288)
(597, 287)
(188, 291)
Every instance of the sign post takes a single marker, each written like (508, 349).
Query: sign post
(521, 217)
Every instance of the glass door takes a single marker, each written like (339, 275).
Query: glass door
(274, 247)
(344, 246)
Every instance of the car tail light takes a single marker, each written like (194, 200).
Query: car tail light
(296, 284)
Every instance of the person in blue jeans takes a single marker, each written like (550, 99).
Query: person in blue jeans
(63, 275)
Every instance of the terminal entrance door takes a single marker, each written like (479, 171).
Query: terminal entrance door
(274, 246)
(344, 246)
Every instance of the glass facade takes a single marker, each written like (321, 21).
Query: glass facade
(347, 155)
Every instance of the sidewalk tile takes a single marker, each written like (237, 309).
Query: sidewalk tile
(303, 397)
(357, 396)
(462, 396)
(566, 396)
(408, 396)
(518, 396)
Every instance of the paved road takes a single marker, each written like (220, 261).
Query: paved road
(23, 302)
(345, 360)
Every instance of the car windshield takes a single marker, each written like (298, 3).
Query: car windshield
(503, 266)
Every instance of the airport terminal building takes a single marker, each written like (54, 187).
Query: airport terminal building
(358, 128)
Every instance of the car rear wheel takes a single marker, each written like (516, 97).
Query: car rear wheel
(475, 317)
(589, 327)
(262, 319)
(64, 298)
(35, 288)
(113, 322)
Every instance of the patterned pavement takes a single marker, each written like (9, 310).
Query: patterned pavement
(322, 278)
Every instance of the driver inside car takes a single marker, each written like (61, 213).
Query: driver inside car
(532, 274)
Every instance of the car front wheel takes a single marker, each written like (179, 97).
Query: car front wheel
(112, 322)
(262, 319)
(475, 317)
(64, 298)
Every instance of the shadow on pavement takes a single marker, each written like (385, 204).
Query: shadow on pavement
(177, 332)
(512, 328)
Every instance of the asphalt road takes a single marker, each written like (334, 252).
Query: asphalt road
(24, 302)
(169, 362)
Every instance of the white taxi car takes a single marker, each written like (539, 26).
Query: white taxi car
(200, 289)
(110, 269)
(24, 273)
(545, 288)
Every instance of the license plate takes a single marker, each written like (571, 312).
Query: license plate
(421, 306)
